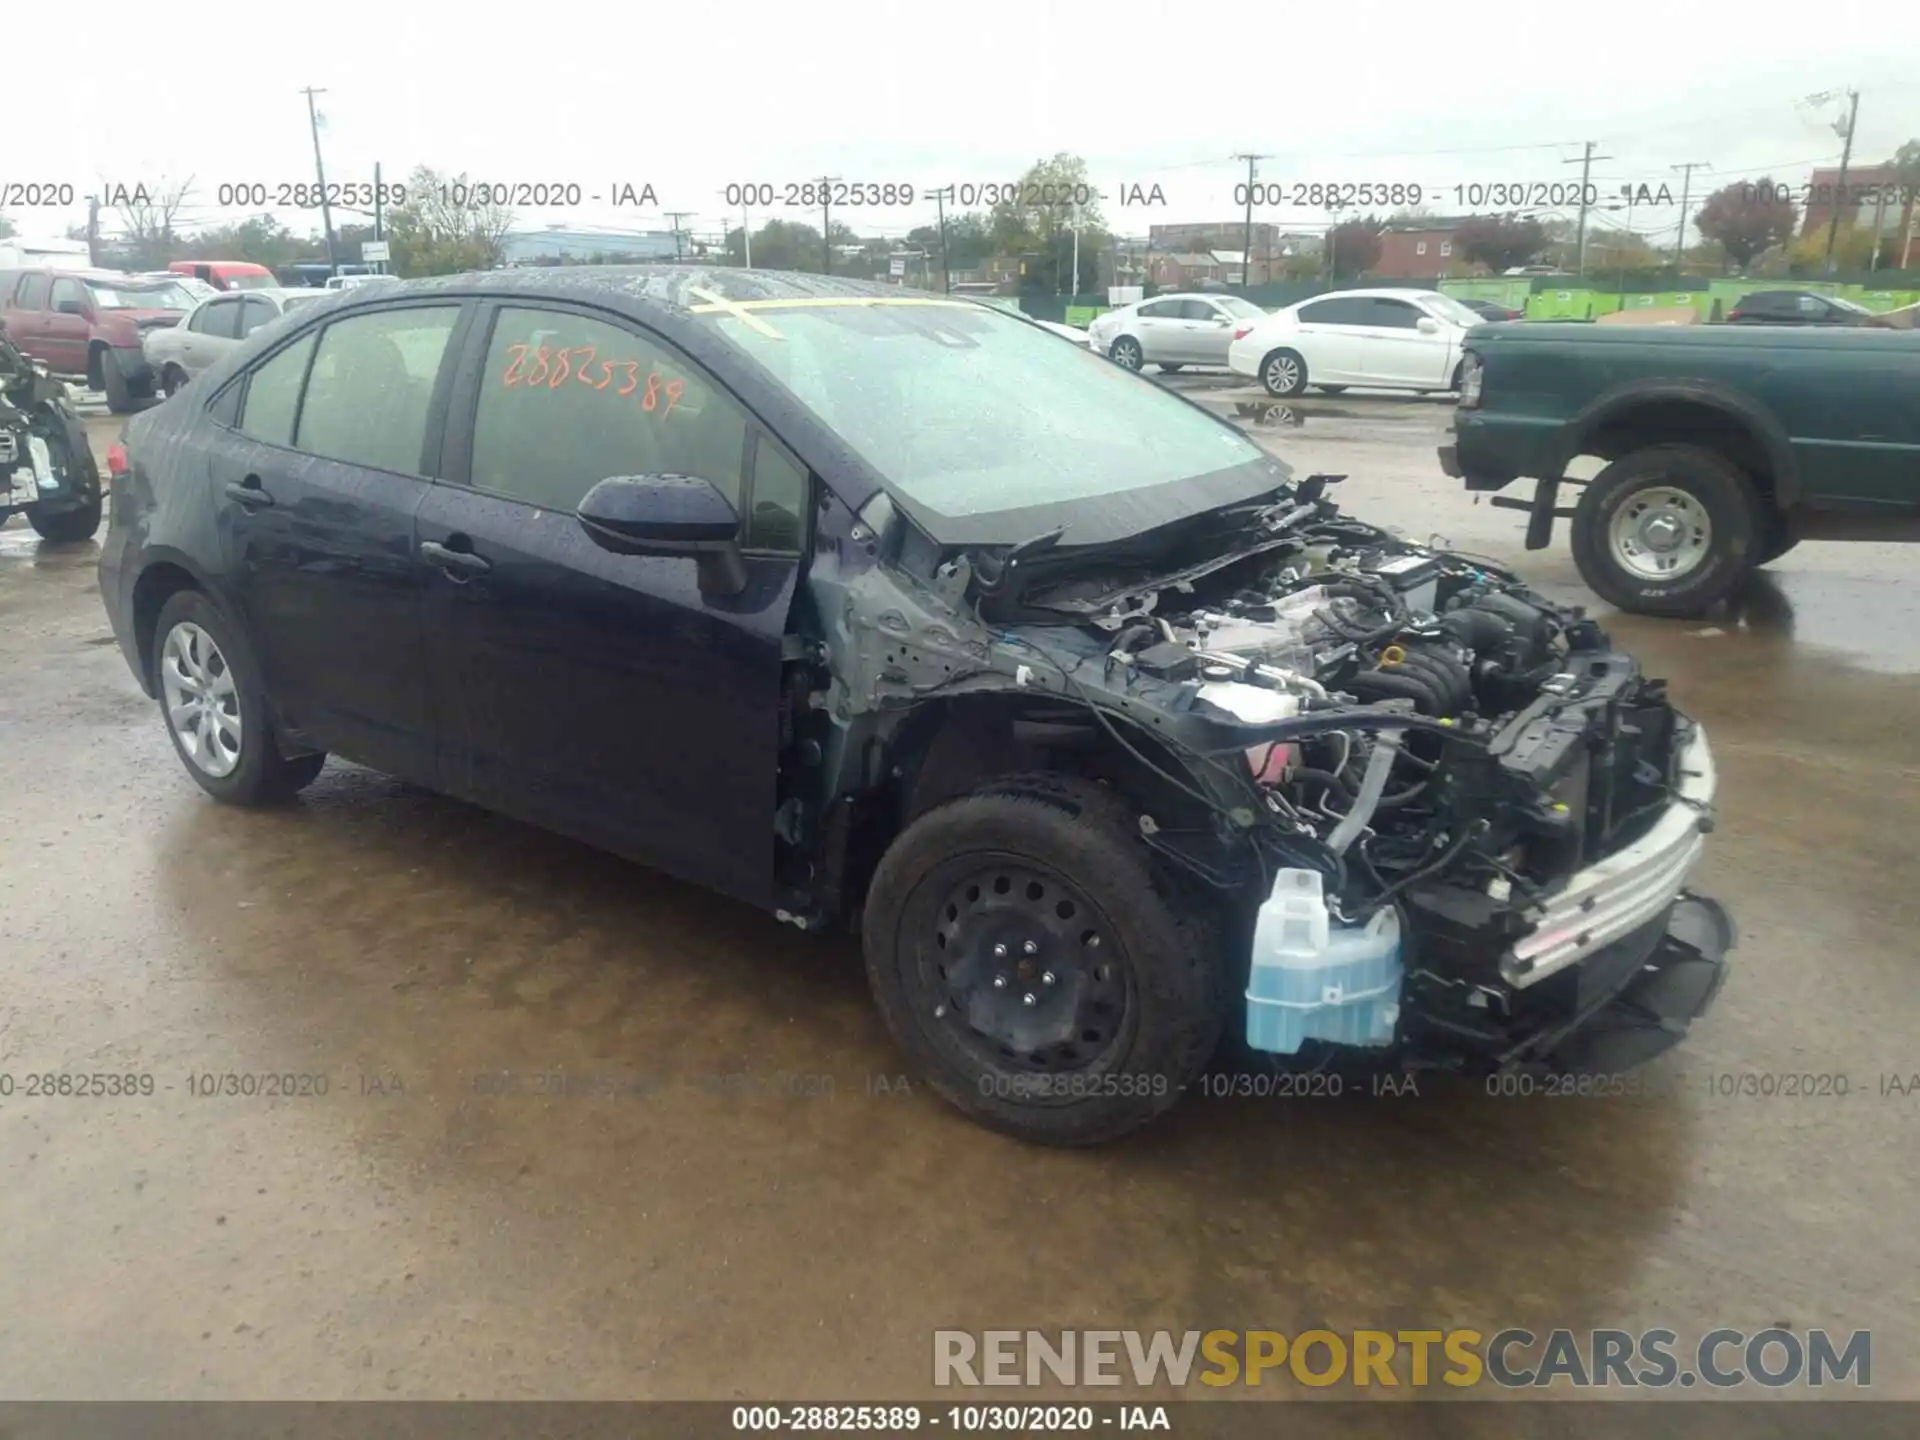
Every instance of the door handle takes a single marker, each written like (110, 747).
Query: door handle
(249, 493)
(457, 563)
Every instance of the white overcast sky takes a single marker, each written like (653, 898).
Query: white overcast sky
(690, 98)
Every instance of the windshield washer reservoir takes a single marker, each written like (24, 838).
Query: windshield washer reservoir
(1313, 978)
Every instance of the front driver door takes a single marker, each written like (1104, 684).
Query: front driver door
(1398, 352)
(598, 694)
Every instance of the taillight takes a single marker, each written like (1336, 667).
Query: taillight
(1734, 314)
(1243, 332)
(117, 460)
(1470, 381)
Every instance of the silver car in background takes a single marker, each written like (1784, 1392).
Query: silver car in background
(1173, 330)
(215, 326)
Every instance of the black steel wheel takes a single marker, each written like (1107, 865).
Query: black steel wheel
(1049, 982)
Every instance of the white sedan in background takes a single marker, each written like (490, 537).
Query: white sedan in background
(177, 353)
(1382, 339)
(1173, 330)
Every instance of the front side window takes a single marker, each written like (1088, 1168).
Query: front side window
(1394, 315)
(67, 292)
(218, 317)
(371, 390)
(567, 401)
(273, 394)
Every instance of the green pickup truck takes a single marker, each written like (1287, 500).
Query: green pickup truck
(1726, 445)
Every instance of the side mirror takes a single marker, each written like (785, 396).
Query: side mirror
(71, 307)
(668, 515)
(1427, 325)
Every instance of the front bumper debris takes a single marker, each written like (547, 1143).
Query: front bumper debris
(1629, 888)
(1671, 988)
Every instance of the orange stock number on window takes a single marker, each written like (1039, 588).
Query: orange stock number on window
(536, 367)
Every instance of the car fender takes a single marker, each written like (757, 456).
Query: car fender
(1755, 417)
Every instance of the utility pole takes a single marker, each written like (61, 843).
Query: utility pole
(1246, 250)
(320, 173)
(677, 216)
(1580, 234)
(946, 274)
(1840, 190)
(93, 230)
(826, 223)
(1686, 194)
(1073, 285)
(379, 196)
(746, 233)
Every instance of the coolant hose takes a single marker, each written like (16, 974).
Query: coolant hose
(1372, 784)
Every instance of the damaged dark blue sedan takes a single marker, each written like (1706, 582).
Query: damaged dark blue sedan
(893, 610)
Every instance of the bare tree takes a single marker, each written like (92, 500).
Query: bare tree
(148, 220)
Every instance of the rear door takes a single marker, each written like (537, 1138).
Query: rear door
(339, 428)
(1331, 338)
(598, 694)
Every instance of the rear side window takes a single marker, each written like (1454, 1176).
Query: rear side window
(567, 401)
(273, 394)
(371, 389)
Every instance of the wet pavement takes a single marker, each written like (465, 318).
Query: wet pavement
(737, 1196)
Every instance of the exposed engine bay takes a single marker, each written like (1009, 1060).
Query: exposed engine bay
(1434, 763)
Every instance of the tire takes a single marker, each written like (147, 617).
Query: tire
(66, 527)
(1459, 377)
(1049, 861)
(172, 381)
(1126, 353)
(1704, 494)
(1283, 372)
(257, 773)
(1331, 389)
(119, 397)
(1169, 368)
(1779, 536)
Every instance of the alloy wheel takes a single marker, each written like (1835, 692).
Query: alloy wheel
(203, 705)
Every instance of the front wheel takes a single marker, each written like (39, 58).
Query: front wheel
(215, 710)
(120, 399)
(1331, 389)
(1169, 368)
(1026, 953)
(1667, 530)
(1284, 372)
(1126, 353)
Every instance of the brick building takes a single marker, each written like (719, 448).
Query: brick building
(1872, 192)
(1417, 249)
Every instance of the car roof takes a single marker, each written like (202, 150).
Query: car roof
(277, 292)
(1385, 292)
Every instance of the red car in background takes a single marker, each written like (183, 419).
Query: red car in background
(85, 326)
(227, 274)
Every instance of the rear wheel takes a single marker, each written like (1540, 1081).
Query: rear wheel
(1049, 982)
(1168, 368)
(215, 711)
(1330, 389)
(1668, 530)
(1283, 372)
(172, 381)
(65, 527)
(1126, 353)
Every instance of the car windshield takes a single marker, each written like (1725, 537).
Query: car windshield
(142, 297)
(1841, 302)
(1002, 416)
(1244, 309)
(1449, 308)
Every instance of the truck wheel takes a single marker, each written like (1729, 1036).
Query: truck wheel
(1668, 530)
(214, 708)
(119, 395)
(1048, 981)
(1283, 372)
(65, 527)
(1780, 537)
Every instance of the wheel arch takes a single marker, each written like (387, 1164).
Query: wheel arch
(164, 574)
(1633, 416)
